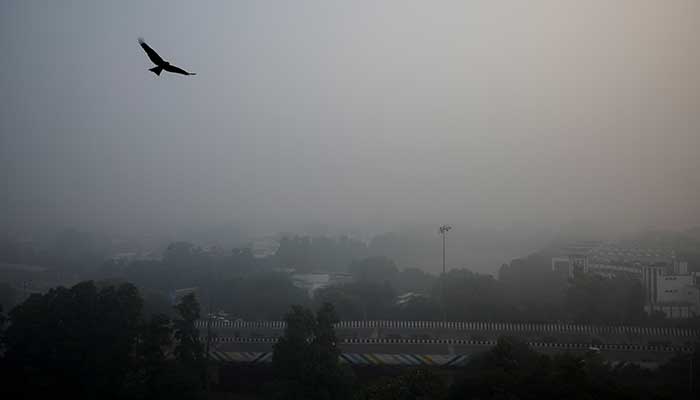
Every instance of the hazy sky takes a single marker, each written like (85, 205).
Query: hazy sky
(355, 113)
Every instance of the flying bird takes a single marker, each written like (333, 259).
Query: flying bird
(160, 63)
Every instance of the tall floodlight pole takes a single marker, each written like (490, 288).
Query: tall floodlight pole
(209, 334)
(443, 231)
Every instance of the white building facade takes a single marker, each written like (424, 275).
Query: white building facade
(668, 285)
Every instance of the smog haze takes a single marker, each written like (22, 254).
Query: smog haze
(356, 116)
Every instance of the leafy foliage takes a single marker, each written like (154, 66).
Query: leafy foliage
(77, 339)
(592, 299)
(90, 341)
(359, 301)
(374, 269)
(8, 295)
(261, 295)
(511, 370)
(420, 383)
(306, 254)
(306, 359)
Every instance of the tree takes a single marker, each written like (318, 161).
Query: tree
(471, 296)
(306, 359)
(378, 270)
(414, 280)
(680, 376)
(259, 296)
(318, 253)
(509, 370)
(294, 253)
(74, 250)
(417, 308)
(186, 265)
(419, 383)
(291, 360)
(594, 299)
(360, 300)
(3, 321)
(533, 288)
(151, 367)
(184, 377)
(189, 349)
(76, 340)
(8, 295)
(336, 379)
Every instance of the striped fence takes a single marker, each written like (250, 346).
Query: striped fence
(360, 359)
(474, 326)
(465, 342)
(242, 357)
(436, 360)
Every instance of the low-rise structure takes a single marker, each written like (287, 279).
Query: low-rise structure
(313, 281)
(177, 295)
(668, 285)
(264, 247)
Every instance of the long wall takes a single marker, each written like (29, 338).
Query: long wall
(533, 332)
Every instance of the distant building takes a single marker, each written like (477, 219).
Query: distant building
(177, 295)
(668, 285)
(265, 247)
(128, 257)
(408, 297)
(311, 282)
(563, 266)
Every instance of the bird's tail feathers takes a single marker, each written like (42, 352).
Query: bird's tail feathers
(156, 70)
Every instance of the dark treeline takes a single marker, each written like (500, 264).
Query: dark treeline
(93, 341)
(236, 282)
(512, 370)
(254, 289)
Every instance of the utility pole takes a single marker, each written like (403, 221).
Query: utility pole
(443, 231)
(209, 328)
(208, 344)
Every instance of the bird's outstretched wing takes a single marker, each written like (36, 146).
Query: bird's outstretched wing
(151, 53)
(176, 70)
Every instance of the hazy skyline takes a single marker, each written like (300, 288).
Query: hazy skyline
(359, 114)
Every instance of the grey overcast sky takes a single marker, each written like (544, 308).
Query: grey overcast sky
(350, 113)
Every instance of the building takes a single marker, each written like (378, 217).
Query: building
(668, 285)
(265, 247)
(677, 296)
(129, 257)
(311, 282)
(574, 258)
(177, 295)
(407, 298)
(563, 266)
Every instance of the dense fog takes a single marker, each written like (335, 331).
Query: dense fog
(354, 117)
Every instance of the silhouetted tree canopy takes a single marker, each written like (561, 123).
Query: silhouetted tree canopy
(8, 295)
(90, 341)
(359, 301)
(75, 340)
(378, 270)
(414, 384)
(597, 300)
(259, 296)
(306, 359)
